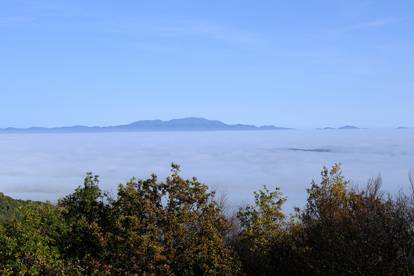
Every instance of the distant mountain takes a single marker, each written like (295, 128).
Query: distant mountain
(402, 127)
(185, 124)
(349, 127)
(340, 128)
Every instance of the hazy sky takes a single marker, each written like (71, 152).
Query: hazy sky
(287, 63)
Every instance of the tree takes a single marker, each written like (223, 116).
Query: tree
(86, 213)
(177, 227)
(173, 227)
(262, 226)
(195, 229)
(348, 232)
(30, 245)
(135, 236)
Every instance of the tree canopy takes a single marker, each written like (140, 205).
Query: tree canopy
(178, 227)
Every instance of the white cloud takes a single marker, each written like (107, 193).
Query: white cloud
(373, 24)
(209, 30)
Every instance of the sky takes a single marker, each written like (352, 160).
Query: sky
(300, 64)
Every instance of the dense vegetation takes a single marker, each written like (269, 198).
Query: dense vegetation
(10, 208)
(178, 227)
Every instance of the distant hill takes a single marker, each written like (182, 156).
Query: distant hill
(341, 128)
(9, 207)
(349, 127)
(185, 124)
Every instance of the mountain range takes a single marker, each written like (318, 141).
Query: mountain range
(341, 128)
(184, 124)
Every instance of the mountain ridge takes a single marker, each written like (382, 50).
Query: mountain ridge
(347, 127)
(183, 124)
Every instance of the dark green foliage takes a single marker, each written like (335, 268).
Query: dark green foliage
(261, 225)
(348, 232)
(85, 213)
(341, 231)
(177, 227)
(30, 245)
(174, 227)
(9, 207)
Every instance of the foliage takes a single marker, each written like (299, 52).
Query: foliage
(30, 245)
(85, 213)
(9, 207)
(261, 226)
(177, 227)
(350, 232)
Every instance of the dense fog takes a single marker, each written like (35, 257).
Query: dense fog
(48, 166)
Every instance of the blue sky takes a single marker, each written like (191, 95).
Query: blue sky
(287, 63)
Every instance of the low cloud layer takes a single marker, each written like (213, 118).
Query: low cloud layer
(48, 166)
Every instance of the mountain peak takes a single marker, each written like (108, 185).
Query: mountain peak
(349, 127)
